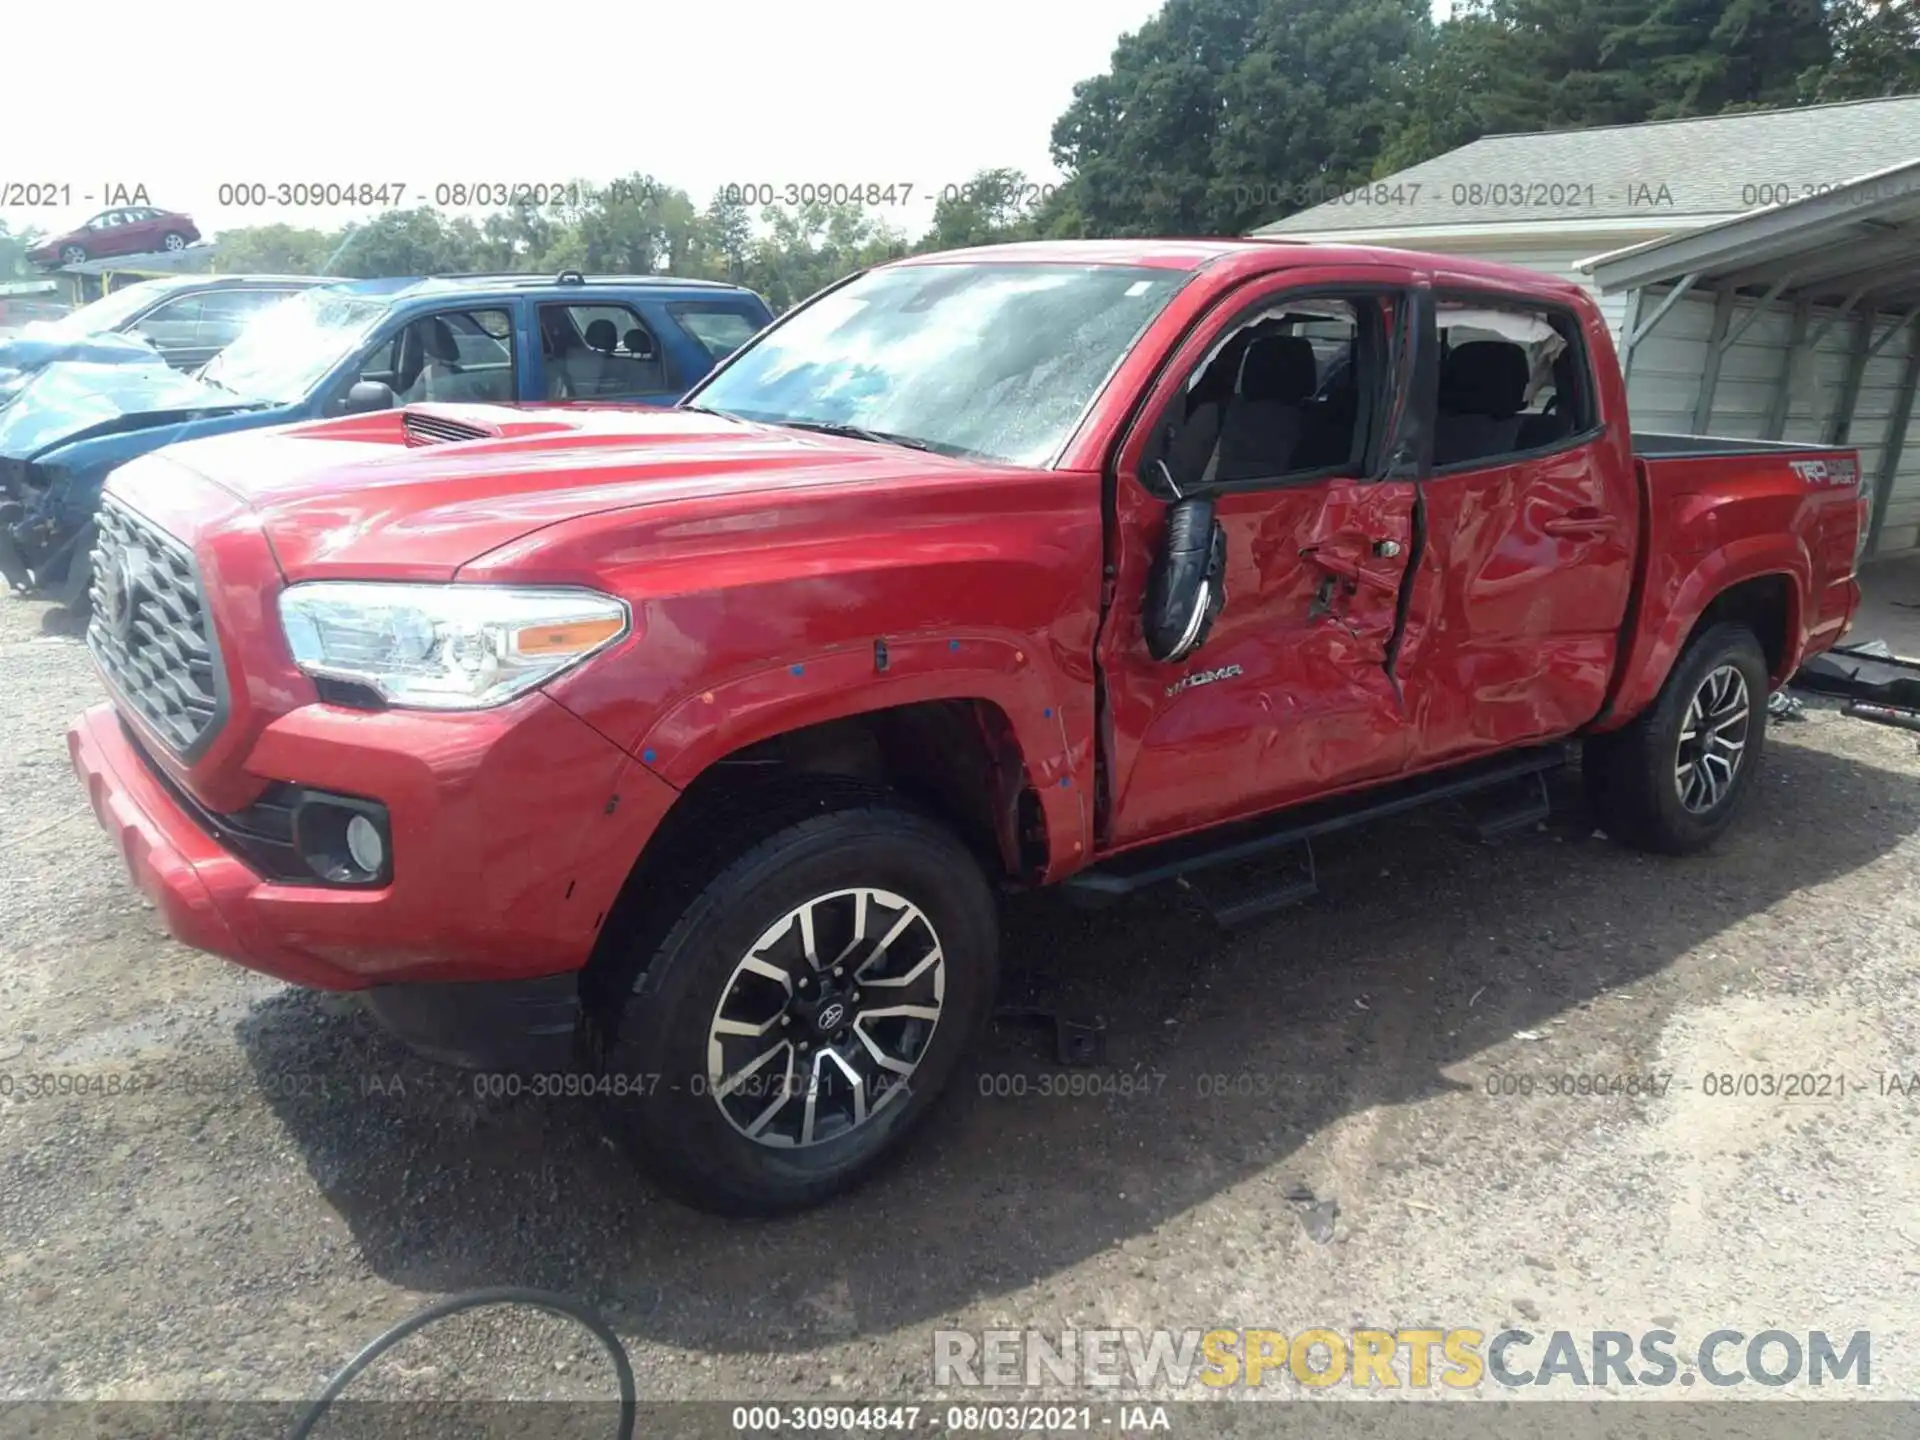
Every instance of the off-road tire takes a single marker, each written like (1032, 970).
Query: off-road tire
(1630, 773)
(661, 1028)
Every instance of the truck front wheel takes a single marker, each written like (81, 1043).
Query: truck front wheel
(806, 1009)
(1673, 779)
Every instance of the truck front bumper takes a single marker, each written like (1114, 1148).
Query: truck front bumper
(472, 949)
(190, 879)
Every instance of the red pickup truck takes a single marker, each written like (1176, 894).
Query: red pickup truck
(685, 751)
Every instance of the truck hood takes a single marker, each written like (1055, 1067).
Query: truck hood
(76, 400)
(352, 498)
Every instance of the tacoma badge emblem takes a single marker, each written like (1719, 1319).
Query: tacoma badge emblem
(117, 607)
(1202, 677)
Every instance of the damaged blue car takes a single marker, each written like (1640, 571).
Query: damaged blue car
(340, 349)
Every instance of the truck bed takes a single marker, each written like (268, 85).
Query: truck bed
(1766, 513)
(1656, 445)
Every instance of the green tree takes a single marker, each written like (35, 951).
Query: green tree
(1217, 114)
(808, 247)
(277, 249)
(635, 225)
(1137, 141)
(1703, 57)
(420, 241)
(1308, 109)
(726, 231)
(993, 207)
(1503, 66)
(14, 245)
(1876, 51)
(519, 237)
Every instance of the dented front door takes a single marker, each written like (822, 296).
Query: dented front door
(1293, 694)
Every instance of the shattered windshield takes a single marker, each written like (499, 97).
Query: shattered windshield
(289, 347)
(994, 360)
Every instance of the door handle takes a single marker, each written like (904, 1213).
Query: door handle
(1578, 522)
(1349, 569)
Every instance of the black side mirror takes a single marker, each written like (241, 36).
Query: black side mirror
(1187, 589)
(367, 396)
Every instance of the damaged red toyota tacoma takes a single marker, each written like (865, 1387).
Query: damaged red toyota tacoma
(687, 751)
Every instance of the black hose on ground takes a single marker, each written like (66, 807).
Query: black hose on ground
(555, 1304)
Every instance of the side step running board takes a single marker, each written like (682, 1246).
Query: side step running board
(1519, 805)
(1183, 859)
(1295, 888)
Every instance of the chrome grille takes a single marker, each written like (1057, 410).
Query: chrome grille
(438, 430)
(149, 630)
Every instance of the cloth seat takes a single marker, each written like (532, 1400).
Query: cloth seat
(1262, 424)
(1483, 385)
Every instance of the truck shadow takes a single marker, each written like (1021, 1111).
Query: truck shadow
(1224, 1055)
(66, 622)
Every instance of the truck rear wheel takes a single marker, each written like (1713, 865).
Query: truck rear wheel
(1673, 779)
(806, 1009)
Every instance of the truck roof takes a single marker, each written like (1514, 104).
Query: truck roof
(1198, 254)
(409, 285)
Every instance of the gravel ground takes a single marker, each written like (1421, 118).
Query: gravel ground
(1310, 1140)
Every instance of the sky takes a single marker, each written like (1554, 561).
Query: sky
(424, 93)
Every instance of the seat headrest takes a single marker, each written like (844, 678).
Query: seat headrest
(1485, 377)
(1279, 367)
(603, 335)
(437, 340)
(639, 343)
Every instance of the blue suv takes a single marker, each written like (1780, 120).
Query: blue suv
(342, 348)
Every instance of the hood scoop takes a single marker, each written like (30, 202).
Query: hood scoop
(449, 423)
(423, 427)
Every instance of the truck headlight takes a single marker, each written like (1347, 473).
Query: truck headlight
(445, 647)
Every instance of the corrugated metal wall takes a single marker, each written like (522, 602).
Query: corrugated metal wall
(1669, 365)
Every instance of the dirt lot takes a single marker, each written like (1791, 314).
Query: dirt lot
(1310, 1140)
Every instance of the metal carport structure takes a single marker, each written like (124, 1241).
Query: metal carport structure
(1800, 321)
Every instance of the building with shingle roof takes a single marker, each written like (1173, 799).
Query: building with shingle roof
(1550, 199)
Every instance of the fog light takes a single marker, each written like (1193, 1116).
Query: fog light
(343, 838)
(364, 844)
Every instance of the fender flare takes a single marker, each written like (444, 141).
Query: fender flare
(700, 729)
(1656, 648)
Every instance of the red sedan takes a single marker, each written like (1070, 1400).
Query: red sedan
(128, 230)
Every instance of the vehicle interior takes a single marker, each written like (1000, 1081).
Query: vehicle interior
(455, 356)
(1277, 397)
(599, 352)
(1508, 384)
